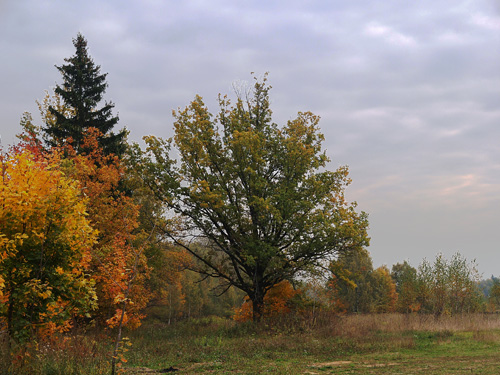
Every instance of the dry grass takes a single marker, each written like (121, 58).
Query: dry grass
(324, 343)
(61, 354)
(360, 325)
(378, 343)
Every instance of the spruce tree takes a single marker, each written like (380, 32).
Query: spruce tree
(82, 91)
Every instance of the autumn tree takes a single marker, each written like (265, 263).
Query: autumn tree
(463, 280)
(317, 294)
(407, 288)
(203, 298)
(434, 284)
(166, 262)
(276, 302)
(256, 194)
(114, 215)
(190, 295)
(384, 291)
(111, 211)
(351, 281)
(448, 286)
(356, 287)
(81, 92)
(45, 242)
(494, 294)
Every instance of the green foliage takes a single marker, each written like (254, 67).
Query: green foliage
(81, 92)
(256, 195)
(202, 297)
(405, 278)
(384, 291)
(352, 281)
(357, 288)
(494, 295)
(449, 286)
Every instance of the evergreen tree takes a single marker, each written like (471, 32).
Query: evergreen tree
(81, 92)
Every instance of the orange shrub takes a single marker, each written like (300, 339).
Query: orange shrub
(276, 302)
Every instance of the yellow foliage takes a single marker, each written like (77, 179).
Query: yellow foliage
(44, 235)
(35, 196)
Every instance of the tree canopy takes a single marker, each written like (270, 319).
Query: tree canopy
(81, 92)
(45, 242)
(352, 282)
(257, 196)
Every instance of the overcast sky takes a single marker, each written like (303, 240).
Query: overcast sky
(408, 93)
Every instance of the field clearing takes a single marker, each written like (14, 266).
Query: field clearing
(351, 344)
(355, 344)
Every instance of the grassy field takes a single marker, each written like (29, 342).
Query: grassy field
(361, 344)
(365, 344)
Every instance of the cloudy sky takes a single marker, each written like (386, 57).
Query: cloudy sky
(408, 93)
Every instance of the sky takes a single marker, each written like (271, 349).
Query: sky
(408, 93)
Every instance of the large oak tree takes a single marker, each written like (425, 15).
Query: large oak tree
(255, 204)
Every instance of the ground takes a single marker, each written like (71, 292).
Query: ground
(377, 344)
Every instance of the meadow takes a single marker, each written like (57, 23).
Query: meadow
(325, 344)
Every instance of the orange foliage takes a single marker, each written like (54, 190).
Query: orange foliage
(276, 302)
(337, 303)
(115, 264)
(115, 216)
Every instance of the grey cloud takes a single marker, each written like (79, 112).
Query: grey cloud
(408, 92)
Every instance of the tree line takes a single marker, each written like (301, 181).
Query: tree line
(233, 211)
(444, 286)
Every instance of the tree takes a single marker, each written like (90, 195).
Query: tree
(276, 302)
(384, 291)
(111, 212)
(448, 286)
(45, 241)
(352, 281)
(463, 281)
(255, 194)
(433, 284)
(81, 92)
(165, 262)
(203, 297)
(494, 295)
(115, 256)
(405, 278)
(485, 285)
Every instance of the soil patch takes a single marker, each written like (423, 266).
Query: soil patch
(331, 364)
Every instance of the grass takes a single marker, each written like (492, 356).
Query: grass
(357, 344)
(69, 355)
(362, 344)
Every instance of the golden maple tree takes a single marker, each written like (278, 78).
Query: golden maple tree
(45, 245)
